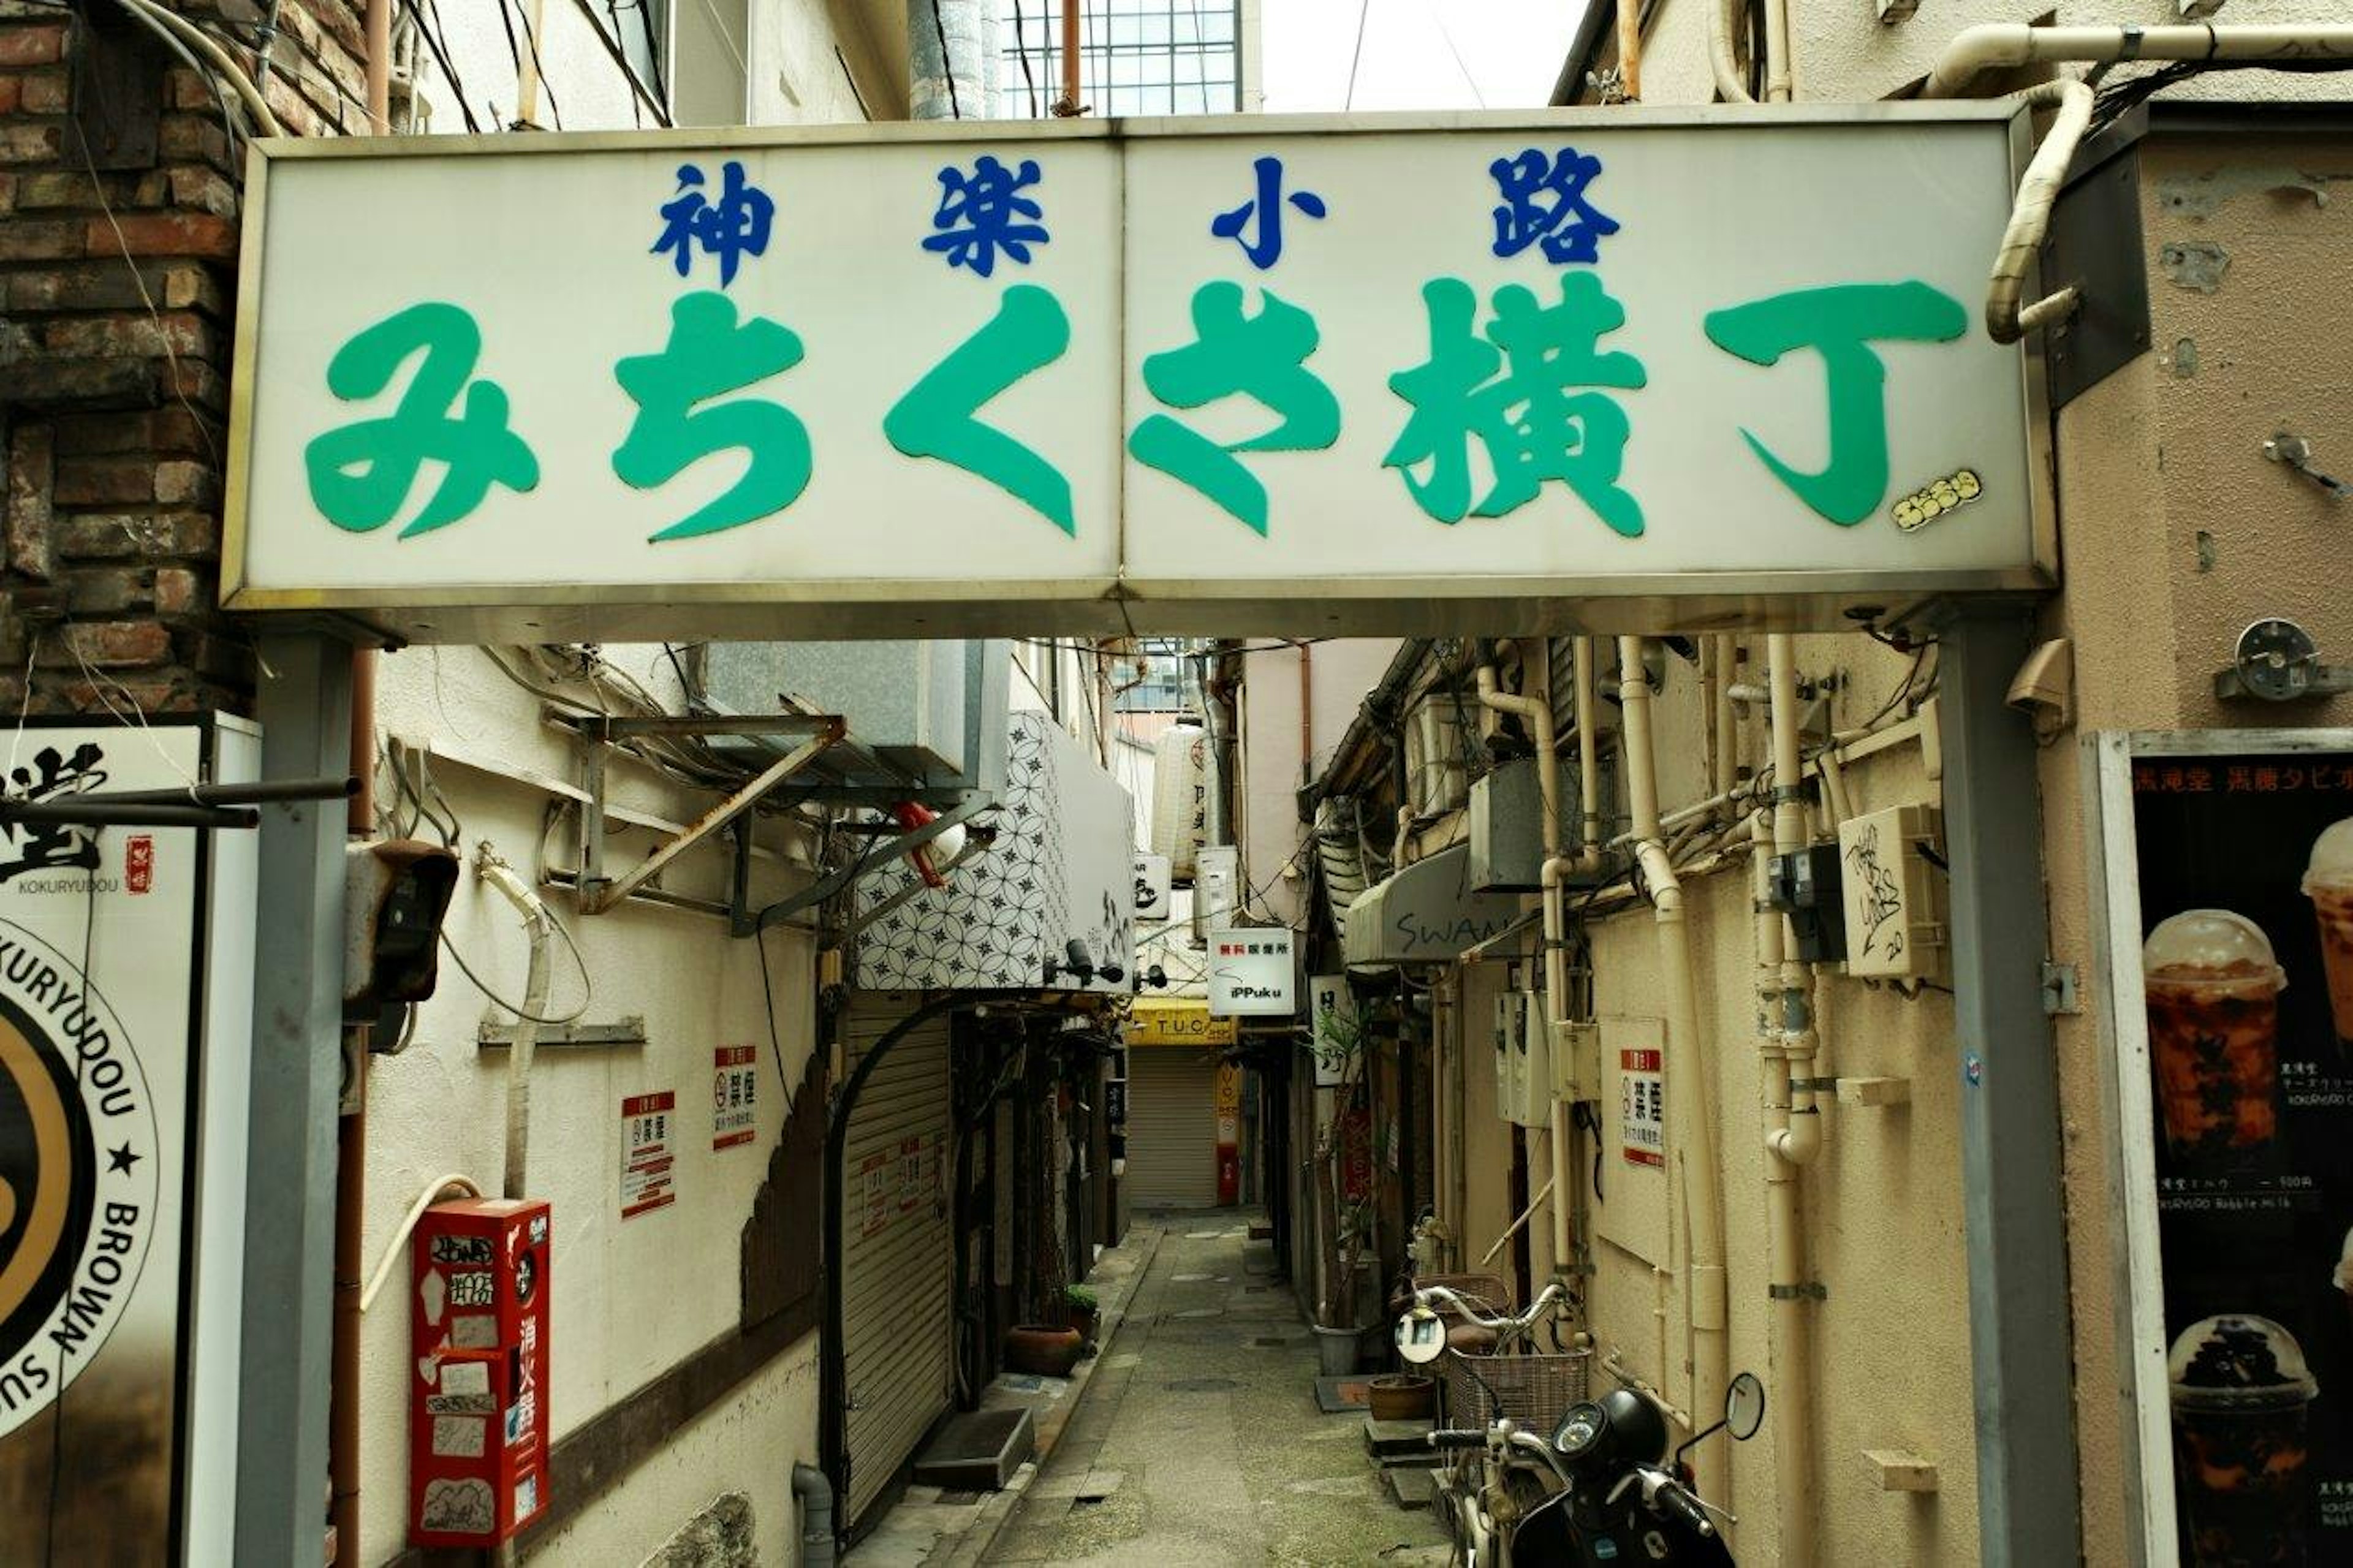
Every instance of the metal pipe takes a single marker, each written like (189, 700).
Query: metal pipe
(1537, 712)
(343, 1391)
(68, 811)
(1729, 87)
(1727, 721)
(1776, 51)
(1790, 1333)
(1691, 1100)
(1070, 104)
(2001, 45)
(1629, 50)
(257, 793)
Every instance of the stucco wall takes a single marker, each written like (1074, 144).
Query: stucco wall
(631, 1297)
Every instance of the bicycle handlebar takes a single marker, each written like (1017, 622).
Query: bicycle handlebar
(1552, 1294)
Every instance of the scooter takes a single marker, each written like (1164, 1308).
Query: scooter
(1627, 1502)
(1620, 1499)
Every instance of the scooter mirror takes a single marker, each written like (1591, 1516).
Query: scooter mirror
(1421, 1336)
(1743, 1406)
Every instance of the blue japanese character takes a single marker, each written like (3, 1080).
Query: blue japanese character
(989, 206)
(737, 222)
(1569, 228)
(1266, 249)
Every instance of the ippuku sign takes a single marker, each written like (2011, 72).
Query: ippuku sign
(1094, 376)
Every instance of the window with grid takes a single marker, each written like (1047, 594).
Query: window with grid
(1135, 56)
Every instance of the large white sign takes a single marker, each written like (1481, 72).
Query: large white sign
(1115, 376)
(124, 1004)
(1252, 973)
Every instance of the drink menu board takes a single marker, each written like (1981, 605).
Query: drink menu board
(2245, 865)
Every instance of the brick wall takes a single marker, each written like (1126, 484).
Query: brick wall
(119, 225)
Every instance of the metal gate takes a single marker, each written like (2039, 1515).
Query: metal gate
(1172, 1128)
(898, 1249)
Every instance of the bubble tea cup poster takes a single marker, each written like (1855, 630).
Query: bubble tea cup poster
(2245, 864)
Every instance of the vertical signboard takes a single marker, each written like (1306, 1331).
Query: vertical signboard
(1332, 1013)
(648, 1157)
(2231, 976)
(105, 1083)
(1642, 1106)
(735, 1082)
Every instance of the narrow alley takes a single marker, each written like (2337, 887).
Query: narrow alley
(1198, 1440)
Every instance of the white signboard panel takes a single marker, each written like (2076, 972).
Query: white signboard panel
(1263, 371)
(1331, 1009)
(1152, 887)
(1251, 973)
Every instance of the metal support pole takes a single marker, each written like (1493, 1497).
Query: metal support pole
(305, 707)
(2027, 1502)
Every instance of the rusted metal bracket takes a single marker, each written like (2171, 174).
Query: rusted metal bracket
(750, 924)
(599, 894)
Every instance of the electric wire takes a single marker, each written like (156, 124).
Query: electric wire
(1364, 11)
(430, 30)
(587, 981)
(948, 62)
(1021, 50)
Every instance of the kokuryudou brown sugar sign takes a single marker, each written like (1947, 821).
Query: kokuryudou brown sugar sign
(2245, 868)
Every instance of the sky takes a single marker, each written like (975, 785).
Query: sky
(1418, 54)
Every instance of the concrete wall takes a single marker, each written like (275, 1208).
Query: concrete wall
(1271, 760)
(632, 1298)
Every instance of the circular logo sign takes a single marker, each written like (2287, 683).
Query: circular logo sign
(78, 1173)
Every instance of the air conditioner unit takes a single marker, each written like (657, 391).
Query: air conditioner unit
(1507, 828)
(1216, 889)
(1435, 770)
(926, 716)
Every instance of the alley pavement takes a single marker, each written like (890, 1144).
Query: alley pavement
(1198, 1440)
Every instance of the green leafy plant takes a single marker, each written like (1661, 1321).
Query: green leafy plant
(1080, 1298)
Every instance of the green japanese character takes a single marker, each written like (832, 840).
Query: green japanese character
(1532, 427)
(934, 419)
(1261, 357)
(361, 474)
(1840, 324)
(709, 354)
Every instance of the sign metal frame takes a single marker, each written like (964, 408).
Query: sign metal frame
(1340, 605)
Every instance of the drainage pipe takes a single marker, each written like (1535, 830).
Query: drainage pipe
(814, 1494)
(1537, 714)
(1729, 87)
(2003, 46)
(1789, 1329)
(541, 929)
(1691, 1098)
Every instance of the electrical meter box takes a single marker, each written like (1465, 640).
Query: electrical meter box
(477, 1435)
(1523, 1060)
(1806, 887)
(1894, 893)
(1575, 1060)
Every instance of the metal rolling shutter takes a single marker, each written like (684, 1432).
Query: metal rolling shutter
(898, 1249)
(1172, 1128)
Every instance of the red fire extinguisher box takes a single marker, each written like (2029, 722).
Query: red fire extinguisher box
(478, 1402)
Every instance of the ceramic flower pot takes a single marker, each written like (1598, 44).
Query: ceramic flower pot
(1401, 1396)
(1043, 1349)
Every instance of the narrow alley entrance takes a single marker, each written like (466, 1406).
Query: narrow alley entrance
(1199, 1440)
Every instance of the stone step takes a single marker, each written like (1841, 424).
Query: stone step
(1412, 1486)
(1400, 1439)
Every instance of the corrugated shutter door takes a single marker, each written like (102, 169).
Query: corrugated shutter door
(1172, 1127)
(897, 1251)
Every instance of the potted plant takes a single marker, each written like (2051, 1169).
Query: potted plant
(1341, 1219)
(1082, 1309)
(1047, 1349)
